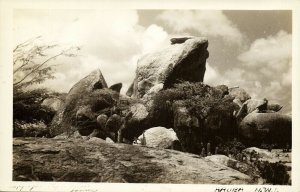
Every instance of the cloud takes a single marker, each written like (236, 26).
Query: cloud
(268, 65)
(207, 23)
(110, 40)
(269, 55)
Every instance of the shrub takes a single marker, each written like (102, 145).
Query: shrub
(27, 109)
(274, 173)
(208, 104)
(35, 129)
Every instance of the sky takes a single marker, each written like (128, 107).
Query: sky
(249, 49)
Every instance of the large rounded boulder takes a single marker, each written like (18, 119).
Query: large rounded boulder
(185, 60)
(272, 128)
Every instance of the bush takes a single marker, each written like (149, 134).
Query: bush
(35, 129)
(27, 110)
(274, 173)
(208, 104)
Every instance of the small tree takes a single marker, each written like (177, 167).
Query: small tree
(32, 63)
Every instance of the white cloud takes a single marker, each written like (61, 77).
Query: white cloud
(269, 63)
(154, 37)
(207, 23)
(271, 54)
(110, 40)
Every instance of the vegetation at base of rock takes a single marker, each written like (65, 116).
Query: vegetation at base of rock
(30, 116)
(212, 107)
(83, 111)
(274, 173)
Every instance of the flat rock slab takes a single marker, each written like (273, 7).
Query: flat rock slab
(81, 160)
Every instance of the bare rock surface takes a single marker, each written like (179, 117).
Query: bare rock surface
(270, 128)
(185, 59)
(240, 94)
(159, 137)
(83, 102)
(98, 161)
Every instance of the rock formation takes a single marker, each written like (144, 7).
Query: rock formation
(167, 92)
(185, 60)
(95, 160)
(159, 137)
(116, 87)
(239, 93)
(257, 128)
(85, 98)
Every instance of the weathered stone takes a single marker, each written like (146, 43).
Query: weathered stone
(257, 128)
(83, 103)
(101, 120)
(179, 40)
(129, 92)
(98, 161)
(159, 137)
(109, 140)
(239, 93)
(113, 123)
(274, 107)
(139, 112)
(116, 87)
(185, 61)
(237, 165)
(254, 104)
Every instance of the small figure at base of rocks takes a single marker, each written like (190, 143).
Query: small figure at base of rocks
(216, 150)
(208, 149)
(202, 152)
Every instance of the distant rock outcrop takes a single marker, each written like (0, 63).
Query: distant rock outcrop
(86, 97)
(184, 60)
(257, 128)
(239, 93)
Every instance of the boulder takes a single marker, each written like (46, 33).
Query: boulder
(274, 166)
(129, 92)
(159, 137)
(113, 123)
(116, 87)
(270, 128)
(79, 160)
(184, 60)
(221, 159)
(53, 103)
(254, 104)
(139, 112)
(239, 93)
(261, 153)
(86, 99)
(101, 120)
(237, 165)
(179, 40)
(274, 107)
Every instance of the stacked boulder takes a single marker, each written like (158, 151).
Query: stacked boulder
(168, 92)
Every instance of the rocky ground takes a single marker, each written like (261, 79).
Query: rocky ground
(95, 160)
